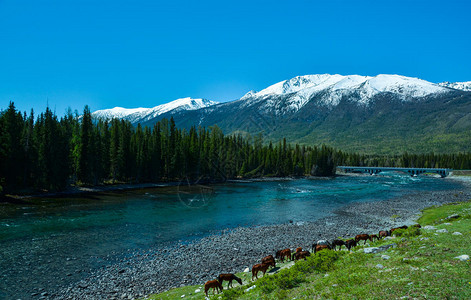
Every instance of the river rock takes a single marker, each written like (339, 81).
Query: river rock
(457, 233)
(250, 288)
(385, 257)
(379, 249)
(429, 227)
(463, 257)
(442, 230)
(379, 266)
(454, 216)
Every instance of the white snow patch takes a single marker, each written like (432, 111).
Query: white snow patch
(330, 89)
(143, 114)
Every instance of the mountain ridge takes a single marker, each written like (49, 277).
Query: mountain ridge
(369, 114)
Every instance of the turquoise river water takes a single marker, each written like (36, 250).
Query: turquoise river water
(52, 242)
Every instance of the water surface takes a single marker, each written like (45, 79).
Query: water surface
(53, 242)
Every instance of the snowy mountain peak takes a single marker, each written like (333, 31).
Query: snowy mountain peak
(330, 89)
(463, 86)
(136, 115)
(380, 83)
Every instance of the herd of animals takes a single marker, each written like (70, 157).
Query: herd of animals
(281, 255)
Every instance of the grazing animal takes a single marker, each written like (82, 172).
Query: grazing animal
(299, 249)
(321, 247)
(301, 255)
(320, 242)
(214, 284)
(228, 277)
(373, 237)
(339, 243)
(402, 227)
(286, 253)
(362, 237)
(270, 260)
(259, 267)
(384, 233)
(417, 226)
(350, 244)
(278, 254)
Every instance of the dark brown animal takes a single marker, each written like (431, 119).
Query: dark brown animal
(383, 234)
(278, 254)
(270, 260)
(336, 243)
(299, 249)
(402, 227)
(417, 226)
(301, 255)
(214, 284)
(373, 237)
(362, 237)
(321, 247)
(350, 244)
(286, 253)
(228, 277)
(259, 267)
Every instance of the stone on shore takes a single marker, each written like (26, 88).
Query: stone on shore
(463, 257)
(457, 233)
(454, 216)
(379, 249)
(442, 230)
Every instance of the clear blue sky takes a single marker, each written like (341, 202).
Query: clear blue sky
(145, 53)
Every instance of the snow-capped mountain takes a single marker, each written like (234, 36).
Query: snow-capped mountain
(464, 86)
(369, 114)
(137, 115)
(291, 95)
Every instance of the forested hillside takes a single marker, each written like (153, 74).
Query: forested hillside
(48, 153)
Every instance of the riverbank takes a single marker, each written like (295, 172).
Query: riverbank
(234, 250)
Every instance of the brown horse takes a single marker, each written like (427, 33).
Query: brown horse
(214, 284)
(362, 237)
(259, 267)
(282, 254)
(402, 227)
(373, 237)
(301, 255)
(228, 277)
(299, 249)
(350, 244)
(270, 260)
(278, 254)
(383, 234)
(339, 243)
(321, 247)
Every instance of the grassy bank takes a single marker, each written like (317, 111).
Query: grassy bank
(422, 264)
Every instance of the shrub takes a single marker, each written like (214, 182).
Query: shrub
(409, 232)
(293, 277)
(234, 293)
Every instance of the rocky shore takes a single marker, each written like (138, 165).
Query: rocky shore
(157, 270)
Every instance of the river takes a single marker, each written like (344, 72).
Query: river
(50, 243)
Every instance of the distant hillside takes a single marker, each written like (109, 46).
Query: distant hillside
(382, 114)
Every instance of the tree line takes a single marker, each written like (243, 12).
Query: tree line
(49, 153)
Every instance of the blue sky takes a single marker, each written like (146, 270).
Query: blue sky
(145, 53)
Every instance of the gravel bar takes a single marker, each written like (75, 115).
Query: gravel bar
(156, 270)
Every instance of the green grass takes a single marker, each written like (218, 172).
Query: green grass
(422, 265)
